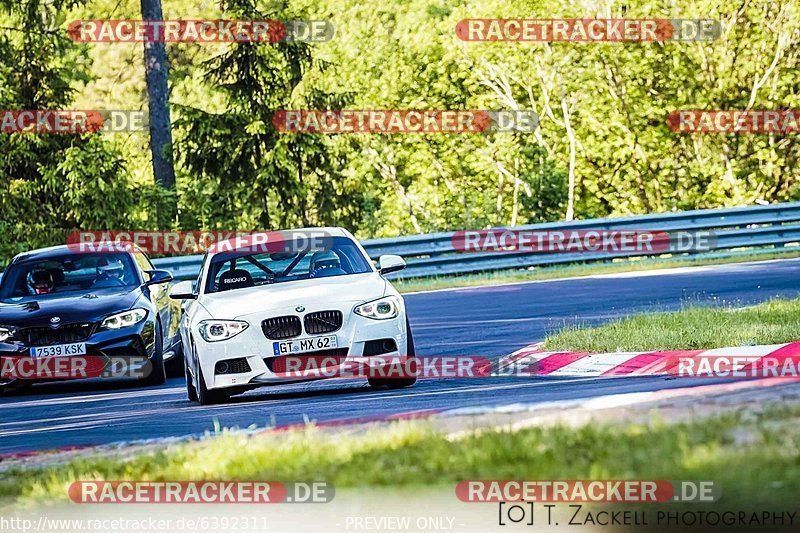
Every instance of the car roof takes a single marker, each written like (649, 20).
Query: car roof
(334, 231)
(47, 253)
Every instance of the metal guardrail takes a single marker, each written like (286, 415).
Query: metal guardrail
(433, 254)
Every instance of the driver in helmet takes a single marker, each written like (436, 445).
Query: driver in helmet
(40, 281)
(324, 264)
(110, 273)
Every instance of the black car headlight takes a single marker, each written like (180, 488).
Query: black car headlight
(6, 334)
(125, 319)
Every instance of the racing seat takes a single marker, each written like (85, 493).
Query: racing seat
(235, 279)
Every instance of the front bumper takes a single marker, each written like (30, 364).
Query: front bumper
(253, 346)
(124, 352)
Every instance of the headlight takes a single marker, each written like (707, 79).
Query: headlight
(124, 320)
(5, 334)
(220, 330)
(381, 309)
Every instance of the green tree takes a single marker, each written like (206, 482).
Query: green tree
(51, 184)
(237, 167)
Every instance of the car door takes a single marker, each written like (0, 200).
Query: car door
(168, 310)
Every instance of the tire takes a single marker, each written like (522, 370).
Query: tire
(158, 373)
(176, 367)
(205, 396)
(191, 392)
(398, 383)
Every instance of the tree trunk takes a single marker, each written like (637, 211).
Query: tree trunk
(570, 215)
(157, 73)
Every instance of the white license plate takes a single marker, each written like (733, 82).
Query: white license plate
(304, 345)
(59, 350)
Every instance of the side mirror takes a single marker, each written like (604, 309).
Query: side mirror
(158, 277)
(391, 263)
(182, 291)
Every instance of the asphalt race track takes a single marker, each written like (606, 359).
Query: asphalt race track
(486, 321)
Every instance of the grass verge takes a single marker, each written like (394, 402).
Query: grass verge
(762, 469)
(582, 269)
(773, 322)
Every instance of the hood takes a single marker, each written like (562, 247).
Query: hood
(70, 307)
(339, 289)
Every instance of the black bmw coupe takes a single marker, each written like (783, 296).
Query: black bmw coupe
(111, 306)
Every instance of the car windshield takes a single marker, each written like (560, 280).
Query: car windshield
(237, 270)
(71, 272)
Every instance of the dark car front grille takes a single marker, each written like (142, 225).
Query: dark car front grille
(281, 327)
(44, 336)
(322, 322)
(306, 361)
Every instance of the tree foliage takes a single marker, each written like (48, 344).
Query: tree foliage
(51, 184)
(603, 147)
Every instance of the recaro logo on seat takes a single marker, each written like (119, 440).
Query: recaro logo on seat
(234, 280)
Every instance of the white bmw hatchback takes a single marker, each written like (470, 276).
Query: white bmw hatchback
(253, 308)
